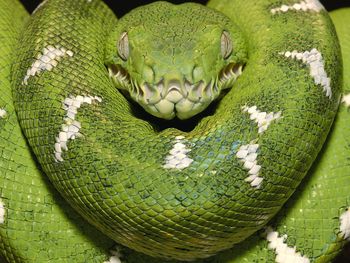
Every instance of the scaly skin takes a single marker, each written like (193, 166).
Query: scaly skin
(124, 185)
(38, 221)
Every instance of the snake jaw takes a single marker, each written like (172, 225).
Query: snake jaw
(119, 76)
(229, 75)
(175, 99)
(168, 99)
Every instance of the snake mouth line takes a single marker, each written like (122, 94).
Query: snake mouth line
(229, 74)
(119, 75)
(174, 98)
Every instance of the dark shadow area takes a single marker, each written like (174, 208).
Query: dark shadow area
(122, 7)
(344, 257)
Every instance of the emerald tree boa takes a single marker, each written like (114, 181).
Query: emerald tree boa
(182, 132)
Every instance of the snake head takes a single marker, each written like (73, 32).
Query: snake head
(174, 60)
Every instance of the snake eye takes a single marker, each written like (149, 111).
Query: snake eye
(226, 44)
(123, 46)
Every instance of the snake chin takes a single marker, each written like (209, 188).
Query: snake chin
(169, 99)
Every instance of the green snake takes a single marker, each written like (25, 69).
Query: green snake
(179, 132)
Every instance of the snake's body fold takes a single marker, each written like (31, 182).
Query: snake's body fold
(181, 189)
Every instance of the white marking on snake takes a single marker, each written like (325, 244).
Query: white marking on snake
(177, 158)
(115, 256)
(39, 6)
(47, 60)
(345, 224)
(315, 61)
(113, 259)
(284, 254)
(3, 113)
(71, 127)
(2, 212)
(346, 100)
(263, 119)
(247, 154)
(307, 5)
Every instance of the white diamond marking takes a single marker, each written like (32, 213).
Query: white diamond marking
(71, 127)
(346, 100)
(3, 113)
(177, 158)
(304, 6)
(247, 154)
(345, 224)
(315, 62)
(2, 212)
(46, 60)
(284, 254)
(116, 256)
(262, 119)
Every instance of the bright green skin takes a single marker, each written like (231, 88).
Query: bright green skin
(38, 221)
(178, 208)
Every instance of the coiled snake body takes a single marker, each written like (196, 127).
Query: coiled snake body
(255, 90)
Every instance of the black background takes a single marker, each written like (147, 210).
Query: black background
(122, 7)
